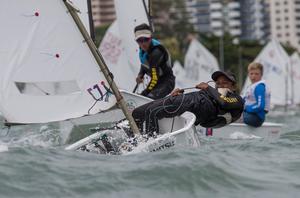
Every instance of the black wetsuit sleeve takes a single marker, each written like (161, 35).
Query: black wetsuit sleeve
(156, 60)
(228, 102)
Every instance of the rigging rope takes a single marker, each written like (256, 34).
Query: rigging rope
(164, 107)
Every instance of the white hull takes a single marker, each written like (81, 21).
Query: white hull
(180, 132)
(183, 134)
(267, 131)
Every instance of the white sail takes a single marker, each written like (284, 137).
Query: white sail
(199, 64)
(179, 72)
(295, 71)
(276, 64)
(113, 51)
(47, 72)
(119, 48)
(129, 15)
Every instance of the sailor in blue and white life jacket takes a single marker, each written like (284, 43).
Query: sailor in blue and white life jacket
(155, 62)
(257, 97)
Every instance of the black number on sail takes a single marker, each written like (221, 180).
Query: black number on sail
(97, 94)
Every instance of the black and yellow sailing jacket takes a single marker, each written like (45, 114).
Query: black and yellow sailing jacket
(225, 108)
(156, 63)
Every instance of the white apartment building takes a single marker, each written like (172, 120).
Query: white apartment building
(103, 12)
(199, 14)
(225, 16)
(255, 20)
(247, 19)
(215, 16)
(285, 21)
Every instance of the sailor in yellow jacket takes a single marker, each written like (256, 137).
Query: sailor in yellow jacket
(155, 62)
(213, 107)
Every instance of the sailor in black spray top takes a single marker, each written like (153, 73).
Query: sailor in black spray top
(155, 62)
(213, 107)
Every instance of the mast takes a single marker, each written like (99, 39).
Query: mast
(91, 23)
(291, 76)
(148, 11)
(103, 67)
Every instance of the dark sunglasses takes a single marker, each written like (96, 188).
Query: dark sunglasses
(143, 40)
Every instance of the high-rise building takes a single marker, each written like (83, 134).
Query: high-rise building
(247, 19)
(225, 17)
(215, 16)
(103, 12)
(199, 14)
(255, 20)
(285, 21)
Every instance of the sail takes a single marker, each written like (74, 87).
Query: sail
(276, 68)
(179, 72)
(129, 15)
(48, 73)
(113, 51)
(295, 71)
(119, 48)
(199, 64)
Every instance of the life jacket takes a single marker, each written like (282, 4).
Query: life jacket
(250, 96)
(165, 69)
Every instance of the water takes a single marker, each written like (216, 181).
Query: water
(33, 163)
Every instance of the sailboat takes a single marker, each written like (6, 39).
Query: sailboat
(295, 74)
(179, 72)
(121, 52)
(52, 71)
(275, 62)
(277, 66)
(199, 65)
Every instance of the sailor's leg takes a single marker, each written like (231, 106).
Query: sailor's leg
(151, 119)
(166, 108)
(140, 113)
(138, 116)
(252, 119)
(175, 106)
(163, 108)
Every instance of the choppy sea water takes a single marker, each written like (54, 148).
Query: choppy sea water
(33, 163)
